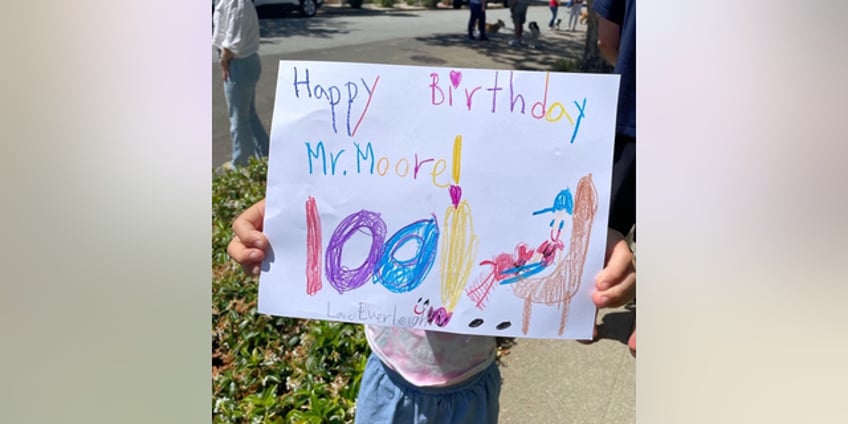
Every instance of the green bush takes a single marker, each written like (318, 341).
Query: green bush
(566, 65)
(387, 3)
(271, 369)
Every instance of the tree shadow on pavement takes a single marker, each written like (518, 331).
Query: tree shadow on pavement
(282, 23)
(279, 22)
(551, 48)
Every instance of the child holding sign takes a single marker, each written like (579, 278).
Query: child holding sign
(415, 375)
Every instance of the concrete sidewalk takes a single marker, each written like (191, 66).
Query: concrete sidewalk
(559, 382)
(545, 381)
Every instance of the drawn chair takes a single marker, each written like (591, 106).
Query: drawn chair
(560, 286)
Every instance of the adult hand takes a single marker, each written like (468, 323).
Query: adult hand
(225, 71)
(615, 285)
(226, 56)
(249, 243)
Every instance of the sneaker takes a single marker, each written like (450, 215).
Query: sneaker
(471, 37)
(224, 168)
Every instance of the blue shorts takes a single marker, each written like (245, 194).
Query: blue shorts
(386, 398)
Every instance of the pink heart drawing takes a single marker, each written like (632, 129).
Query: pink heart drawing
(455, 194)
(456, 78)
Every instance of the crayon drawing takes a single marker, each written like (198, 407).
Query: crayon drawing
(560, 286)
(444, 199)
(459, 245)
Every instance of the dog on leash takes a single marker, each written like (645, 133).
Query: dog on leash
(534, 34)
(495, 27)
(584, 16)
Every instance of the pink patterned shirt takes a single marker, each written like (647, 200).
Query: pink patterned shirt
(431, 358)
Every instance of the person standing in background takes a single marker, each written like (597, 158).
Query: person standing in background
(554, 5)
(574, 14)
(518, 12)
(617, 45)
(478, 17)
(235, 36)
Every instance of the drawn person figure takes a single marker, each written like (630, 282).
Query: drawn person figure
(527, 263)
(478, 17)
(511, 268)
(560, 285)
(236, 38)
(411, 374)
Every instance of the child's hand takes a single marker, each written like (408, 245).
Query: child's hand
(248, 245)
(615, 285)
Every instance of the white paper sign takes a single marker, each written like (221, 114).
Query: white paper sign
(462, 200)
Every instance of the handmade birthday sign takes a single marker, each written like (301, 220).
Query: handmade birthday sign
(463, 200)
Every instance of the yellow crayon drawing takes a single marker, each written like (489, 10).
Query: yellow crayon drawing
(457, 158)
(458, 250)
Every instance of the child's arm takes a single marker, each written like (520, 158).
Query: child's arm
(248, 245)
(609, 38)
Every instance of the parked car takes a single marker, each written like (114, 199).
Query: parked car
(457, 4)
(306, 8)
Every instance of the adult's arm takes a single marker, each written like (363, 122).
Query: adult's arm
(610, 17)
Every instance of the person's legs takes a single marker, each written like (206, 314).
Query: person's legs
(475, 18)
(553, 16)
(260, 136)
(471, 21)
(481, 24)
(519, 17)
(574, 17)
(517, 28)
(239, 91)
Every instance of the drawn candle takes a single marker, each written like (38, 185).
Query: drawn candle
(459, 244)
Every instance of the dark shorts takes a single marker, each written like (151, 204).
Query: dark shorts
(519, 14)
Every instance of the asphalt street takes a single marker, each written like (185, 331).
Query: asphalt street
(402, 37)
